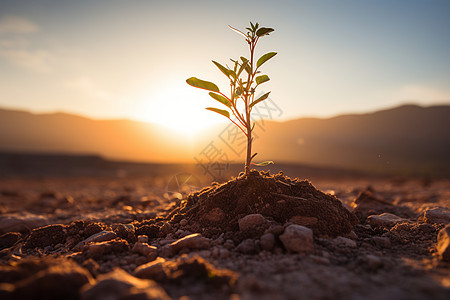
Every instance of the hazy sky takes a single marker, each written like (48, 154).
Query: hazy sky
(130, 59)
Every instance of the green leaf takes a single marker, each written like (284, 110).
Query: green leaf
(262, 79)
(263, 97)
(263, 31)
(244, 59)
(265, 58)
(202, 84)
(222, 68)
(222, 112)
(264, 163)
(243, 66)
(238, 31)
(221, 99)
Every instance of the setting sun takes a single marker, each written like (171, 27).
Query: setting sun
(180, 109)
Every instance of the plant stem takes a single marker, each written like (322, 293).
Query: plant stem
(248, 124)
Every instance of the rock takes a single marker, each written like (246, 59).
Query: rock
(344, 242)
(385, 220)
(166, 251)
(246, 247)
(214, 215)
(251, 221)
(438, 215)
(21, 223)
(97, 250)
(152, 270)
(443, 243)
(46, 236)
(118, 285)
(304, 221)
(183, 222)
(101, 236)
(297, 238)
(193, 242)
(373, 262)
(146, 250)
(267, 241)
(143, 239)
(9, 239)
(51, 279)
(382, 242)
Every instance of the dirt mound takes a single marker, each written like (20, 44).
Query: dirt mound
(218, 208)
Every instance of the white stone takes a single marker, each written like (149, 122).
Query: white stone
(251, 221)
(297, 238)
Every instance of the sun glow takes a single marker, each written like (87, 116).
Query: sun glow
(179, 109)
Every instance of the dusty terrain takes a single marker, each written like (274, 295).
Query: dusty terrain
(141, 238)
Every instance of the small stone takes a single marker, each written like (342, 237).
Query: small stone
(224, 253)
(344, 242)
(215, 252)
(251, 221)
(98, 237)
(246, 247)
(351, 235)
(166, 251)
(192, 241)
(146, 250)
(385, 220)
(443, 243)
(118, 284)
(267, 241)
(228, 244)
(152, 270)
(382, 242)
(297, 238)
(143, 239)
(372, 261)
(183, 222)
(97, 250)
(438, 215)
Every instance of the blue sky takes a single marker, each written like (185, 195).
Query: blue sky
(130, 59)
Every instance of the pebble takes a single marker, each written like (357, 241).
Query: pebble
(344, 242)
(98, 237)
(229, 244)
(247, 246)
(438, 215)
(443, 243)
(192, 241)
(251, 221)
(372, 261)
(118, 285)
(143, 239)
(267, 241)
(166, 228)
(146, 250)
(385, 220)
(382, 242)
(152, 270)
(183, 222)
(297, 238)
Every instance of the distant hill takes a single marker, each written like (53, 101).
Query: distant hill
(403, 140)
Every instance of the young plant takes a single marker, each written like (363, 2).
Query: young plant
(245, 77)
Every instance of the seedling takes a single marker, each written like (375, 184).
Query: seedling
(243, 87)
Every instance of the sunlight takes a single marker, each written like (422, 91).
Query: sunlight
(180, 109)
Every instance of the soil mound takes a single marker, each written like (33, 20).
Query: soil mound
(217, 209)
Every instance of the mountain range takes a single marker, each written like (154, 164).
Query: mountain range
(408, 139)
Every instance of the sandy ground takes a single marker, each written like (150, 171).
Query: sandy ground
(82, 232)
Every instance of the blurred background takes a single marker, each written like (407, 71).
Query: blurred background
(98, 87)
